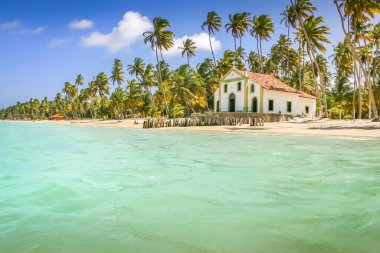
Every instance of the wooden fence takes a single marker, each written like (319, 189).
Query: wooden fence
(202, 121)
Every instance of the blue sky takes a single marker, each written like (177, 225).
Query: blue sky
(45, 43)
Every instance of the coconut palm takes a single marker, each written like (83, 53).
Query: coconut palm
(343, 60)
(117, 74)
(375, 37)
(240, 53)
(188, 89)
(311, 33)
(137, 68)
(358, 12)
(262, 29)
(66, 90)
(148, 79)
(212, 24)
(239, 24)
(253, 61)
(133, 96)
(189, 49)
(302, 9)
(160, 39)
(102, 84)
(117, 103)
(79, 80)
(314, 36)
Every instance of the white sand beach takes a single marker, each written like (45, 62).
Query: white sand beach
(315, 127)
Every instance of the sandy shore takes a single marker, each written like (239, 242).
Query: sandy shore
(316, 127)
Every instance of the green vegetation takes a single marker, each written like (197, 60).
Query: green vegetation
(353, 91)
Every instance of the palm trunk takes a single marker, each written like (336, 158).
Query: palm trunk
(212, 50)
(367, 75)
(258, 51)
(360, 99)
(300, 66)
(287, 60)
(374, 66)
(354, 94)
(316, 88)
(261, 58)
(160, 78)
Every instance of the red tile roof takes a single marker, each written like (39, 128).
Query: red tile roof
(271, 83)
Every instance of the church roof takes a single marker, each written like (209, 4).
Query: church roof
(272, 83)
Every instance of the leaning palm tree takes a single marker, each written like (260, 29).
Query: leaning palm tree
(213, 24)
(262, 29)
(137, 68)
(117, 74)
(160, 39)
(239, 24)
(189, 49)
(303, 9)
(358, 12)
(314, 36)
(287, 20)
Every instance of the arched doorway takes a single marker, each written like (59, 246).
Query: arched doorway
(254, 104)
(231, 103)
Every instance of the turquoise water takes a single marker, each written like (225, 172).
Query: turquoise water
(81, 189)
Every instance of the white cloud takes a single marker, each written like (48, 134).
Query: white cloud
(10, 25)
(127, 32)
(81, 24)
(18, 28)
(33, 31)
(201, 42)
(58, 42)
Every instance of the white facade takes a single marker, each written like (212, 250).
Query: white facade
(253, 97)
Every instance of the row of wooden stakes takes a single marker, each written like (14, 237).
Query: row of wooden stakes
(201, 121)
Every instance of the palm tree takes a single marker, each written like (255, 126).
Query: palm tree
(344, 65)
(137, 68)
(59, 103)
(213, 24)
(79, 80)
(313, 36)
(358, 12)
(117, 74)
(66, 90)
(287, 20)
(240, 53)
(102, 84)
(133, 96)
(188, 89)
(262, 29)
(253, 61)
(239, 24)
(160, 39)
(207, 71)
(302, 9)
(103, 89)
(117, 102)
(189, 49)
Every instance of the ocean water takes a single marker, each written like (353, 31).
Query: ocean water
(83, 189)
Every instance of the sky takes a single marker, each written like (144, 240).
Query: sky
(45, 43)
